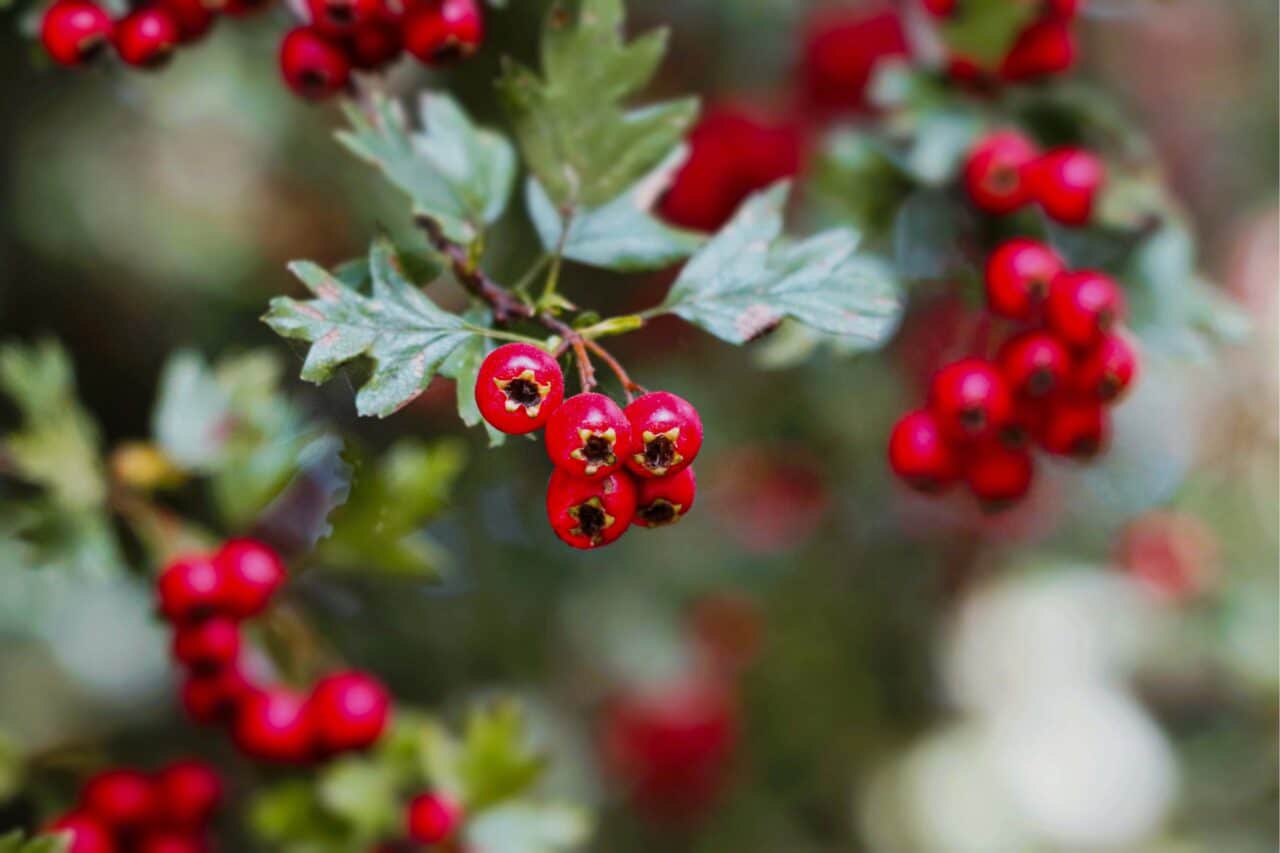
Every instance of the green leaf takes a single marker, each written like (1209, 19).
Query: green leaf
(363, 794)
(458, 174)
(984, 30)
(853, 181)
(17, 842)
(405, 335)
(622, 234)
(928, 235)
(530, 828)
(746, 280)
(495, 762)
(12, 767)
(581, 145)
(291, 813)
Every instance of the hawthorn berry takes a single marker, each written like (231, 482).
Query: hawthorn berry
(337, 17)
(588, 436)
(665, 500)
(314, 66)
(168, 841)
(999, 475)
(374, 45)
(919, 452)
(940, 8)
(1107, 370)
(970, 399)
(1083, 306)
(73, 31)
(996, 173)
(1065, 9)
(146, 37)
(1065, 182)
(190, 588)
(590, 513)
(215, 697)
(667, 434)
(240, 8)
(188, 792)
(1044, 48)
(442, 31)
(208, 645)
(349, 711)
(85, 833)
(121, 799)
(1019, 274)
(1034, 364)
(251, 574)
(433, 818)
(518, 388)
(193, 17)
(1074, 427)
(274, 725)
(842, 47)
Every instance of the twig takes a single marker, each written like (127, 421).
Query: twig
(506, 306)
(629, 387)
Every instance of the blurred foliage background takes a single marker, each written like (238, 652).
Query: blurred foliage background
(1095, 669)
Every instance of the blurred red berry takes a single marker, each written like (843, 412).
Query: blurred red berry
(970, 400)
(842, 46)
(590, 513)
(441, 31)
(188, 793)
(1034, 364)
(920, 454)
(274, 725)
(1076, 428)
(1044, 48)
(1065, 182)
(1065, 9)
(313, 65)
(168, 841)
(337, 17)
(215, 697)
(1019, 273)
(74, 31)
(518, 388)
(251, 574)
(588, 436)
(666, 434)
(1083, 307)
(374, 45)
(999, 475)
(661, 501)
(1174, 554)
(208, 645)
(940, 8)
(996, 173)
(433, 818)
(146, 37)
(193, 17)
(190, 588)
(349, 711)
(1107, 370)
(86, 834)
(121, 799)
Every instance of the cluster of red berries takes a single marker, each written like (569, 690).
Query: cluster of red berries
(1050, 382)
(1005, 171)
(128, 810)
(75, 31)
(614, 466)
(1045, 47)
(366, 35)
(206, 598)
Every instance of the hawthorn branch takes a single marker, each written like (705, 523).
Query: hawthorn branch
(506, 306)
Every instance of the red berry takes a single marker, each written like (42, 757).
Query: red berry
(919, 453)
(188, 793)
(312, 65)
(1108, 369)
(1019, 274)
(86, 834)
(1045, 47)
(1065, 182)
(999, 475)
(590, 513)
(209, 645)
(193, 17)
(1074, 428)
(666, 432)
(970, 399)
(665, 500)
(215, 697)
(274, 725)
(996, 172)
(1065, 9)
(349, 711)
(588, 436)
(1083, 306)
(1034, 364)
(337, 17)
(940, 8)
(190, 588)
(442, 31)
(146, 37)
(1028, 420)
(167, 841)
(518, 388)
(374, 45)
(121, 799)
(433, 818)
(251, 574)
(842, 47)
(74, 30)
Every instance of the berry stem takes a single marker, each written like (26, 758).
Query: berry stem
(506, 306)
(629, 387)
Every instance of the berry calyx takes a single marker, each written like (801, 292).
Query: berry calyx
(74, 31)
(590, 513)
(209, 645)
(1019, 275)
(1074, 428)
(661, 501)
(215, 697)
(1044, 48)
(441, 31)
(919, 452)
(312, 65)
(588, 436)
(190, 588)
(85, 833)
(996, 172)
(1065, 182)
(146, 37)
(1083, 306)
(999, 475)
(251, 574)
(341, 16)
(349, 711)
(432, 818)
(1034, 364)
(188, 793)
(667, 433)
(274, 725)
(970, 399)
(518, 388)
(1107, 370)
(121, 799)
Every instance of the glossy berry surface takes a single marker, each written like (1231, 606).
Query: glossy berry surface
(998, 475)
(73, 31)
(208, 645)
(1066, 182)
(1034, 364)
(374, 45)
(518, 388)
(996, 173)
(1083, 307)
(441, 31)
(588, 436)
(187, 793)
(1076, 428)
(1019, 274)
(87, 834)
(193, 17)
(1106, 371)
(274, 725)
(251, 572)
(590, 513)
(349, 710)
(190, 588)
(666, 433)
(1044, 48)
(215, 697)
(121, 799)
(665, 500)
(920, 454)
(313, 65)
(970, 399)
(432, 818)
(145, 38)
